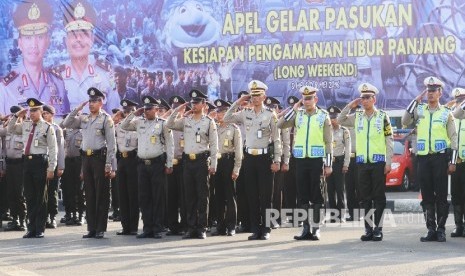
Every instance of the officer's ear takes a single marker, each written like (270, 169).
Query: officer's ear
(374, 99)
(316, 99)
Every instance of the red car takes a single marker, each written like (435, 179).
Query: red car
(401, 168)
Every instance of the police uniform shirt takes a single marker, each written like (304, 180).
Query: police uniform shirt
(73, 142)
(154, 137)
(408, 118)
(230, 141)
(60, 146)
(286, 144)
(14, 146)
(348, 120)
(97, 133)
(44, 139)
(18, 86)
(178, 141)
(265, 122)
(352, 140)
(342, 144)
(205, 128)
(327, 128)
(125, 140)
(96, 74)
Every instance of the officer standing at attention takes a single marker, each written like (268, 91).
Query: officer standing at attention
(155, 152)
(458, 177)
(262, 156)
(126, 174)
(374, 150)
(200, 160)
(436, 155)
(341, 151)
(40, 160)
(229, 164)
(52, 188)
(312, 149)
(98, 162)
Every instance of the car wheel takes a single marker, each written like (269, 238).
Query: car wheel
(405, 182)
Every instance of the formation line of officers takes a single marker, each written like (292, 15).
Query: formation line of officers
(184, 164)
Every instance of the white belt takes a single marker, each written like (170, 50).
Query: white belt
(256, 151)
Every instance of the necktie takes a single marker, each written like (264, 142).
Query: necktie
(29, 140)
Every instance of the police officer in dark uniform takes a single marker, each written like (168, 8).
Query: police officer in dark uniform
(200, 161)
(123, 90)
(126, 174)
(98, 161)
(40, 160)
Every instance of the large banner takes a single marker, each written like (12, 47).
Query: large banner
(56, 50)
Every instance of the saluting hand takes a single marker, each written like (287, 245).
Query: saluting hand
(282, 113)
(21, 113)
(81, 106)
(139, 111)
(419, 98)
(353, 104)
(244, 98)
(297, 105)
(451, 103)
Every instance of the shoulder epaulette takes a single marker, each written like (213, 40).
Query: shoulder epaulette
(10, 77)
(57, 70)
(105, 65)
(269, 109)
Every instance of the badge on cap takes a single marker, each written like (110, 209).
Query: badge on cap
(31, 103)
(79, 11)
(218, 103)
(306, 91)
(175, 100)
(158, 101)
(147, 100)
(291, 100)
(125, 104)
(268, 101)
(364, 88)
(34, 12)
(331, 110)
(194, 94)
(254, 85)
(431, 81)
(92, 92)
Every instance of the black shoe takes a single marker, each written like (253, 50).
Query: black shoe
(66, 218)
(133, 233)
(254, 236)
(368, 236)
(29, 234)
(52, 224)
(123, 233)
(189, 235)
(350, 219)
(219, 233)
(145, 235)
(40, 235)
(231, 232)
(7, 217)
(305, 235)
(202, 235)
(315, 234)
(99, 235)
(457, 232)
(441, 235)
(265, 236)
(377, 234)
(157, 236)
(243, 229)
(78, 221)
(430, 236)
(117, 218)
(90, 234)
(13, 226)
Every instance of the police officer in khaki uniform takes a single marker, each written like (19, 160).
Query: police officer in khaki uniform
(40, 160)
(14, 148)
(374, 150)
(126, 175)
(98, 159)
(175, 208)
(229, 164)
(262, 156)
(155, 153)
(200, 161)
(313, 150)
(52, 188)
(341, 161)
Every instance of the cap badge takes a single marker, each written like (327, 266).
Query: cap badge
(92, 92)
(125, 104)
(194, 94)
(364, 87)
(331, 110)
(291, 100)
(34, 12)
(31, 102)
(218, 103)
(268, 101)
(79, 11)
(431, 80)
(175, 100)
(306, 91)
(147, 100)
(457, 92)
(254, 85)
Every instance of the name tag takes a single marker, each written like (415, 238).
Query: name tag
(298, 152)
(36, 142)
(379, 158)
(440, 145)
(181, 143)
(197, 138)
(360, 159)
(317, 151)
(259, 134)
(153, 139)
(226, 143)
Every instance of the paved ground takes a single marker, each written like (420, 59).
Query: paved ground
(339, 252)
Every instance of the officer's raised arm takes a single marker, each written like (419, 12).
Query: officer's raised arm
(73, 120)
(175, 123)
(231, 116)
(346, 119)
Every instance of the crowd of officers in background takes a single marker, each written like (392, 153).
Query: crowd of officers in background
(187, 166)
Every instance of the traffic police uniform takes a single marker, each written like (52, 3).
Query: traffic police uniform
(312, 149)
(458, 177)
(14, 148)
(341, 151)
(175, 208)
(200, 154)
(40, 157)
(32, 19)
(374, 150)
(98, 155)
(126, 176)
(436, 140)
(229, 161)
(262, 148)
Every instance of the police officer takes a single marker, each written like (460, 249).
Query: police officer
(182, 87)
(14, 148)
(262, 155)
(278, 179)
(40, 160)
(229, 164)
(30, 79)
(374, 150)
(98, 159)
(82, 71)
(167, 88)
(52, 188)
(150, 89)
(71, 180)
(121, 85)
(458, 177)
(175, 208)
(312, 149)
(341, 151)
(200, 161)
(436, 155)
(155, 153)
(126, 174)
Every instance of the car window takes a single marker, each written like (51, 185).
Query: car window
(398, 148)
